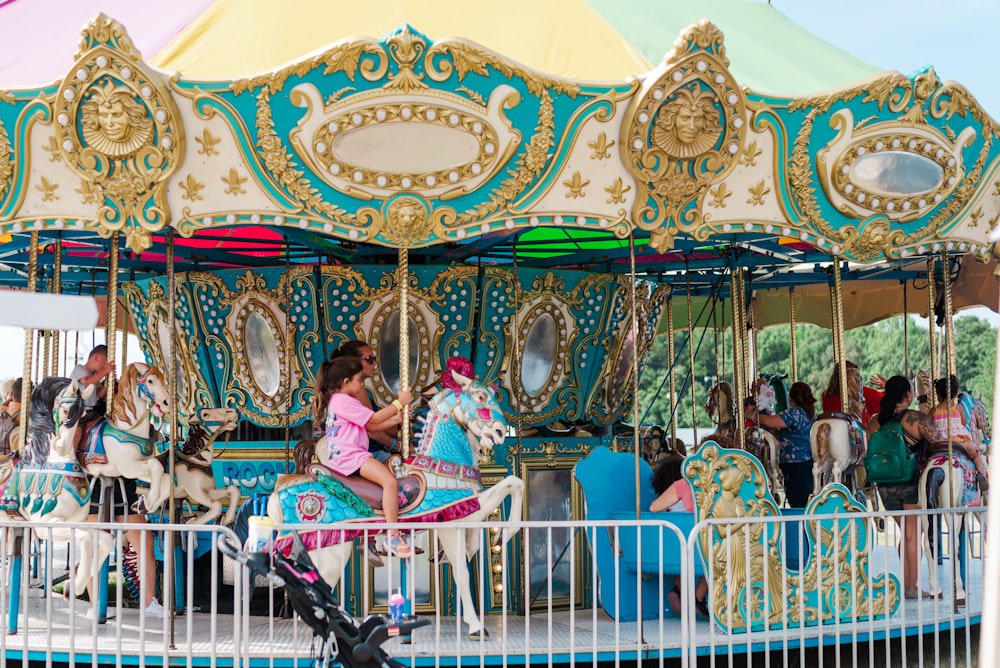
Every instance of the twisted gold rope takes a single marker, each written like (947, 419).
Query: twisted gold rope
(404, 341)
(29, 335)
(794, 342)
(111, 328)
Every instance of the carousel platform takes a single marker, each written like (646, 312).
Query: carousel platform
(52, 629)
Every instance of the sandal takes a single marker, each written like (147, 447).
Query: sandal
(396, 545)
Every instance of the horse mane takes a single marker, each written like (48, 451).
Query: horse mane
(124, 393)
(41, 422)
(302, 456)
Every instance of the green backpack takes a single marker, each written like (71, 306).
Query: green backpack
(889, 460)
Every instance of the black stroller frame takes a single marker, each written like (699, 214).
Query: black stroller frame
(341, 639)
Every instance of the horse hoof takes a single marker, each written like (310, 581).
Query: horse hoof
(959, 603)
(482, 633)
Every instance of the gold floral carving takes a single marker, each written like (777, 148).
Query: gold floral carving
(6, 162)
(617, 192)
(88, 193)
(405, 48)
(466, 58)
(757, 193)
(192, 188)
(345, 57)
(683, 132)
(914, 102)
(52, 148)
(601, 147)
(575, 186)
(130, 139)
(234, 182)
(975, 216)
(719, 196)
(48, 190)
(279, 162)
(749, 155)
(208, 143)
(529, 166)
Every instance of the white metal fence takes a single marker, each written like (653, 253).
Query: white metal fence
(542, 594)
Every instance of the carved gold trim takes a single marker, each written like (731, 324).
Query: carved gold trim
(683, 132)
(119, 129)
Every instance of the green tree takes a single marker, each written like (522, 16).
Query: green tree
(890, 347)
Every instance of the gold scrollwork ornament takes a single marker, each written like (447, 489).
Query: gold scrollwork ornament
(683, 132)
(118, 129)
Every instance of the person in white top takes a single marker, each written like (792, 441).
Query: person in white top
(93, 372)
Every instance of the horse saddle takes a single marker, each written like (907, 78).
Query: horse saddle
(411, 488)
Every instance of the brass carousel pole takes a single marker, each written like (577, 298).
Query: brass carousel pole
(111, 324)
(172, 444)
(29, 336)
(931, 298)
(671, 358)
(949, 340)
(736, 301)
(906, 334)
(793, 343)
(839, 351)
(635, 368)
(56, 289)
(690, 328)
(404, 341)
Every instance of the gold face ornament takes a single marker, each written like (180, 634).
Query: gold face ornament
(114, 123)
(688, 125)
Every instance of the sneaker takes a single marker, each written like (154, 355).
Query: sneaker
(372, 554)
(396, 546)
(154, 610)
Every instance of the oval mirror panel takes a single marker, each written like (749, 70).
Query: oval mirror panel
(388, 351)
(262, 353)
(622, 370)
(896, 173)
(539, 354)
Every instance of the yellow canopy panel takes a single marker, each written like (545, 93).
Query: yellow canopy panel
(235, 38)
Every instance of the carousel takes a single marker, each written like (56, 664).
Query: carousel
(509, 235)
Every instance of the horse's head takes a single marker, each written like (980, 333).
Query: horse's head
(204, 427)
(764, 396)
(141, 384)
(473, 407)
(70, 406)
(720, 406)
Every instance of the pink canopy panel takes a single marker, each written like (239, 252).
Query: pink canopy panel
(45, 52)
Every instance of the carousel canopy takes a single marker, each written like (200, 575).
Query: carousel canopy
(709, 145)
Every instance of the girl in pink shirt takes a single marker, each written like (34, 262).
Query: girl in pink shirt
(338, 382)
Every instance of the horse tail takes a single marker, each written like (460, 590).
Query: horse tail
(823, 440)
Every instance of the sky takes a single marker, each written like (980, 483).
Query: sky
(904, 35)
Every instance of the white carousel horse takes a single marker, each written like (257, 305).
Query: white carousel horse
(936, 492)
(57, 489)
(193, 475)
(838, 440)
(760, 441)
(120, 445)
(463, 426)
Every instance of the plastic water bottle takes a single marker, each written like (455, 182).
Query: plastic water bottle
(396, 603)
